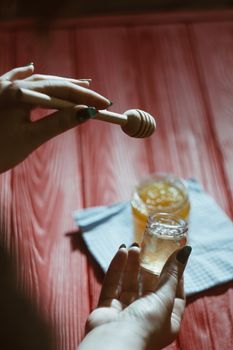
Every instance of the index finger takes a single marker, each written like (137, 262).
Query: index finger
(82, 82)
(67, 91)
(129, 288)
(113, 276)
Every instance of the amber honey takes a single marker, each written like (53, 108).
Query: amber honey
(160, 193)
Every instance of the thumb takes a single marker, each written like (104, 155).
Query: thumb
(171, 275)
(58, 122)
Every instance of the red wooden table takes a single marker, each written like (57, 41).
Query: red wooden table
(179, 67)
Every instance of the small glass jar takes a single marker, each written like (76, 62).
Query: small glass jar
(160, 192)
(164, 234)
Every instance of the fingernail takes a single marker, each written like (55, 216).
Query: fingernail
(30, 64)
(135, 244)
(89, 80)
(110, 103)
(122, 246)
(183, 254)
(87, 113)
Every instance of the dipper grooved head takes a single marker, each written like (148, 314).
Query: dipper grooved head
(139, 123)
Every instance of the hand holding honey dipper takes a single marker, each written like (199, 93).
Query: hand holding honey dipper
(125, 317)
(21, 91)
(134, 122)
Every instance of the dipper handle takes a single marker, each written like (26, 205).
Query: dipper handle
(40, 99)
(135, 123)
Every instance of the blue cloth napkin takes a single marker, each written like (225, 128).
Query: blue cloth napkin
(105, 228)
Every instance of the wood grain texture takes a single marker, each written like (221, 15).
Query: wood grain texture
(180, 73)
(45, 190)
(112, 162)
(214, 56)
(168, 85)
(181, 143)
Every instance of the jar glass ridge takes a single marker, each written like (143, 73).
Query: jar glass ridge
(164, 234)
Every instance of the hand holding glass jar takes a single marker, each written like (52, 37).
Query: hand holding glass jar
(160, 208)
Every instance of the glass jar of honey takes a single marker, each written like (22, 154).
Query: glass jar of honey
(164, 234)
(160, 192)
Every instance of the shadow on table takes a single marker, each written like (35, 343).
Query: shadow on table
(77, 243)
(21, 326)
(215, 291)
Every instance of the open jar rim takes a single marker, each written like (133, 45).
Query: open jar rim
(167, 224)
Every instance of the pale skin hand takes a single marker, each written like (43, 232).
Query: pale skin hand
(126, 319)
(18, 135)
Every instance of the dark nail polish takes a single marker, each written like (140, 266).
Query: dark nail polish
(30, 64)
(87, 113)
(135, 244)
(183, 254)
(110, 103)
(122, 246)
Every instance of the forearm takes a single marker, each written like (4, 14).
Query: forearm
(115, 337)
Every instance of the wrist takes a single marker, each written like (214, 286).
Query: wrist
(115, 336)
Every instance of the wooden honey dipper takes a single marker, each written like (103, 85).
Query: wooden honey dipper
(134, 122)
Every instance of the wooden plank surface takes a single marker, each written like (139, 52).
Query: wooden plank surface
(212, 44)
(175, 72)
(112, 161)
(168, 85)
(45, 190)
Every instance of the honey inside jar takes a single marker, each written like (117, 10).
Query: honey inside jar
(160, 193)
(164, 234)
